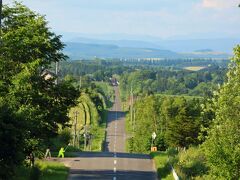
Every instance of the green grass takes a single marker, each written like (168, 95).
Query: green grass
(162, 165)
(52, 170)
(43, 170)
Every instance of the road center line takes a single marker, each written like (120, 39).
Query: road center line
(114, 169)
(114, 178)
(115, 161)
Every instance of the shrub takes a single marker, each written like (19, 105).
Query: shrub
(191, 163)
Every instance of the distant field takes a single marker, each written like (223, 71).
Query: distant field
(194, 68)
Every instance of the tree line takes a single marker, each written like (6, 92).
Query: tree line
(171, 81)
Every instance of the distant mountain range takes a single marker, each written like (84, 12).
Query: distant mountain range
(89, 51)
(88, 48)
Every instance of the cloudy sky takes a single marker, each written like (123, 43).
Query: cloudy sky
(158, 18)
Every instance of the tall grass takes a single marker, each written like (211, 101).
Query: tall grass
(163, 167)
(43, 170)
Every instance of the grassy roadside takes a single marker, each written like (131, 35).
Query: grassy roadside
(162, 166)
(43, 170)
(99, 134)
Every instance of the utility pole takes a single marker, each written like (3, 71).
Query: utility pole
(131, 101)
(1, 22)
(1, 17)
(75, 128)
(85, 137)
(56, 72)
(80, 82)
(134, 119)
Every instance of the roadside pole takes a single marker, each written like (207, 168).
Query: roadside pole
(75, 128)
(1, 17)
(131, 101)
(56, 71)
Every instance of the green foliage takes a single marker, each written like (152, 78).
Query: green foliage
(191, 164)
(162, 165)
(222, 147)
(52, 170)
(12, 140)
(176, 121)
(146, 80)
(42, 171)
(61, 140)
(183, 125)
(34, 107)
(91, 117)
(145, 124)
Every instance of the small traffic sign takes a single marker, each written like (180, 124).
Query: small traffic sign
(154, 135)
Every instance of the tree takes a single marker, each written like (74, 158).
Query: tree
(37, 107)
(11, 138)
(183, 123)
(222, 147)
(146, 122)
(26, 38)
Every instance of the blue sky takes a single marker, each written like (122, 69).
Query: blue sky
(158, 18)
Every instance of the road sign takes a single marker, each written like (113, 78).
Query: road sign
(154, 135)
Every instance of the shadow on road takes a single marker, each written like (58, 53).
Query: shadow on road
(111, 154)
(109, 174)
(112, 115)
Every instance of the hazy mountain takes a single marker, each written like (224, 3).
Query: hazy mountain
(220, 45)
(177, 45)
(120, 43)
(82, 50)
(89, 51)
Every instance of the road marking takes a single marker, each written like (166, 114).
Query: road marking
(115, 161)
(114, 169)
(115, 155)
(114, 178)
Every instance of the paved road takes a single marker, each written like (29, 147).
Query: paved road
(116, 136)
(114, 163)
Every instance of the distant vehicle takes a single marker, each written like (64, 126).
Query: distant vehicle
(114, 82)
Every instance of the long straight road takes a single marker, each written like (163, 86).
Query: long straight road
(116, 136)
(114, 163)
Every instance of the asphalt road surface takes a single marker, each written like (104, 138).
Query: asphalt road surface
(114, 163)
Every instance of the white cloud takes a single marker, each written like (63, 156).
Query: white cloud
(220, 4)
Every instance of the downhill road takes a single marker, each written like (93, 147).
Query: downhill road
(114, 163)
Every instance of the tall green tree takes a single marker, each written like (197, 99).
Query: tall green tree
(183, 123)
(37, 106)
(222, 146)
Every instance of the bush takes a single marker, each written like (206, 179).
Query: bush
(191, 163)
(162, 165)
(173, 156)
